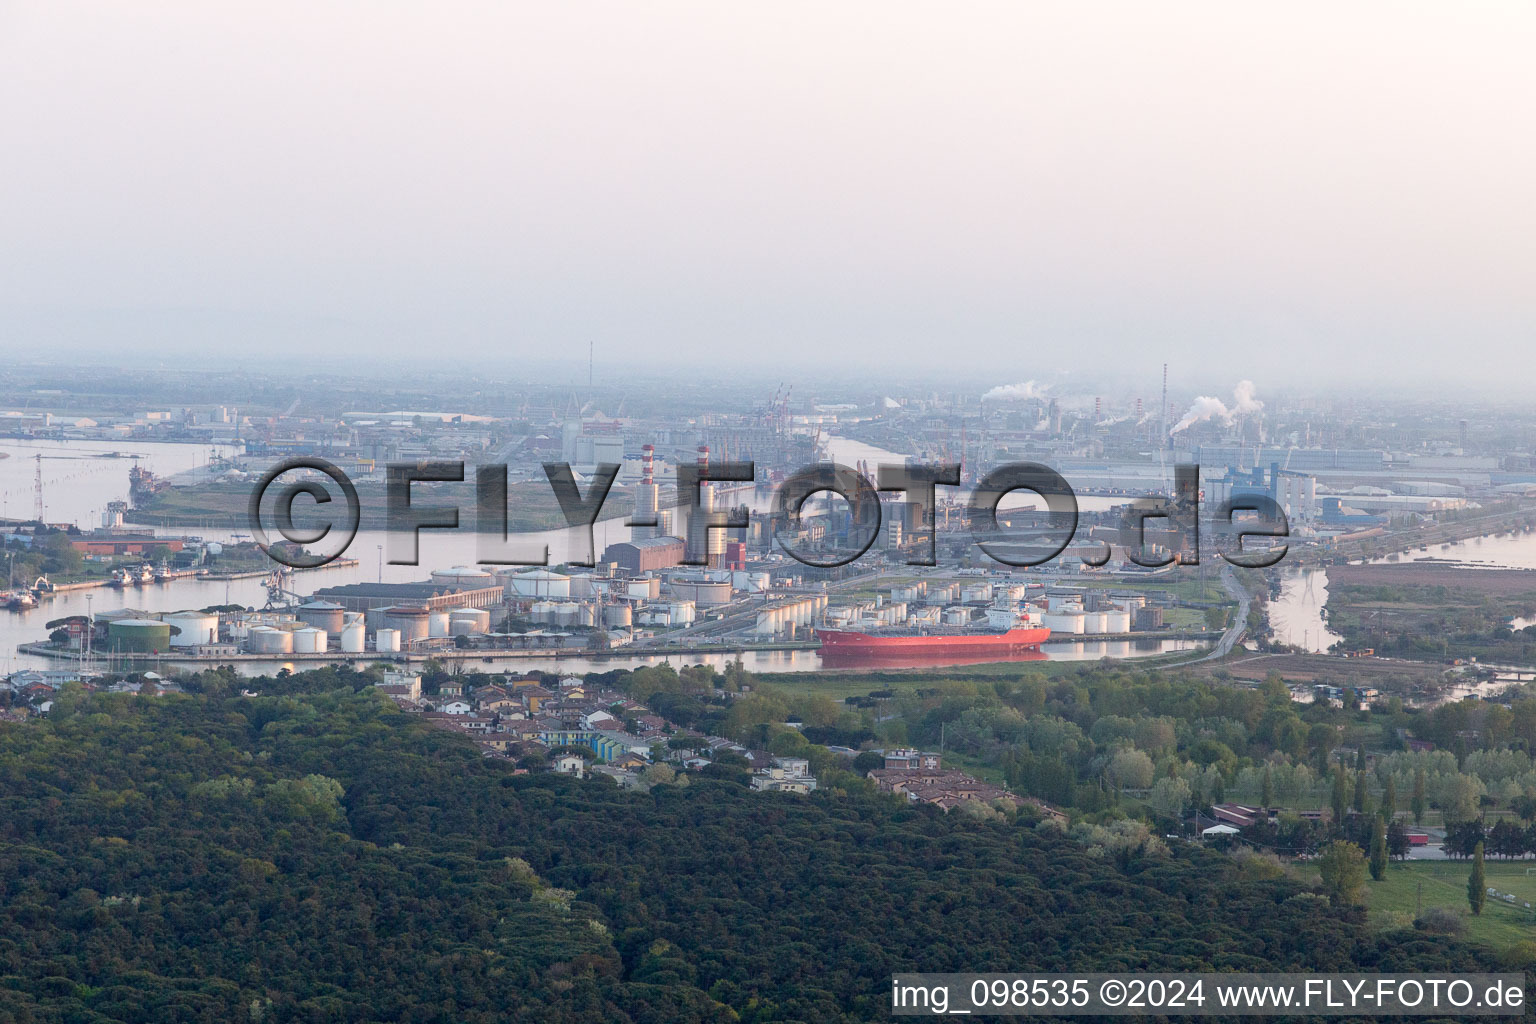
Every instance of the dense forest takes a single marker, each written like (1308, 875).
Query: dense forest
(320, 856)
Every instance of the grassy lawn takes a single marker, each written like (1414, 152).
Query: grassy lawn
(1394, 900)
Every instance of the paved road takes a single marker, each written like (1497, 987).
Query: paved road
(1234, 632)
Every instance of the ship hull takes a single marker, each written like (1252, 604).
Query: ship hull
(850, 642)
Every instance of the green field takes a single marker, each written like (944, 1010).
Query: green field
(1395, 900)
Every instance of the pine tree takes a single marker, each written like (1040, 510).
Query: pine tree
(1379, 850)
(1477, 885)
(1419, 804)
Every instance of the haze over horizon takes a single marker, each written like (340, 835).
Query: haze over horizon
(1241, 194)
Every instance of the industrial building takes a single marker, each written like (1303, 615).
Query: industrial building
(359, 597)
(637, 556)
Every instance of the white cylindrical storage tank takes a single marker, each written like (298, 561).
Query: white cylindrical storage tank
(326, 615)
(581, 586)
(1117, 622)
(462, 621)
(542, 611)
(586, 614)
(646, 589)
(566, 613)
(352, 638)
(1063, 621)
(412, 623)
(956, 616)
(976, 593)
(463, 577)
(437, 623)
(618, 616)
(541, 583)
(310, 640)
(387, 641)
(266, 640)
(764, 625)
(1095, 622)
(196, 628)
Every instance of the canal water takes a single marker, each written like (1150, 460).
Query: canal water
(78, 482)
(1298, 615)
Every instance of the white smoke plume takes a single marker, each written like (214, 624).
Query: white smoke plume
(1207, 407)
(1246, 403)
(1014, 392)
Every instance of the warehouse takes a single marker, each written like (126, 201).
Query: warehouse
(646, 555)
(359, 597)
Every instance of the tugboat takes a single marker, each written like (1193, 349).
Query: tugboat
(120, 578)
(146, 574)
(163, 572)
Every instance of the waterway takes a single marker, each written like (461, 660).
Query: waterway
(1502, 551)
(1298, 616)
(78, 483)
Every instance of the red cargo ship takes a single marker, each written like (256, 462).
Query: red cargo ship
(931, 640)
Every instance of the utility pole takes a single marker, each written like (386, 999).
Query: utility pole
(37, 488)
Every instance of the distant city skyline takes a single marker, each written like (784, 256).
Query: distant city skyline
(1303, 197)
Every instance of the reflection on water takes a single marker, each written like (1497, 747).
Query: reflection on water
(1296, 615)
(80, 477)
(769, 662)
(1504, 551)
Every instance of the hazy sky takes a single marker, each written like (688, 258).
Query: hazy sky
(1239, 189)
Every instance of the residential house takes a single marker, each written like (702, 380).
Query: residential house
(785, 775)
(571, 764)
(907, 759)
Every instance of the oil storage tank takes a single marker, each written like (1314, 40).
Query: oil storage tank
(197, 628)
(353, 638)
(310, 640)
(411, 622)
(266, 640)
(467, 621)
(326, 615)
(464, 577)
(138, 636)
